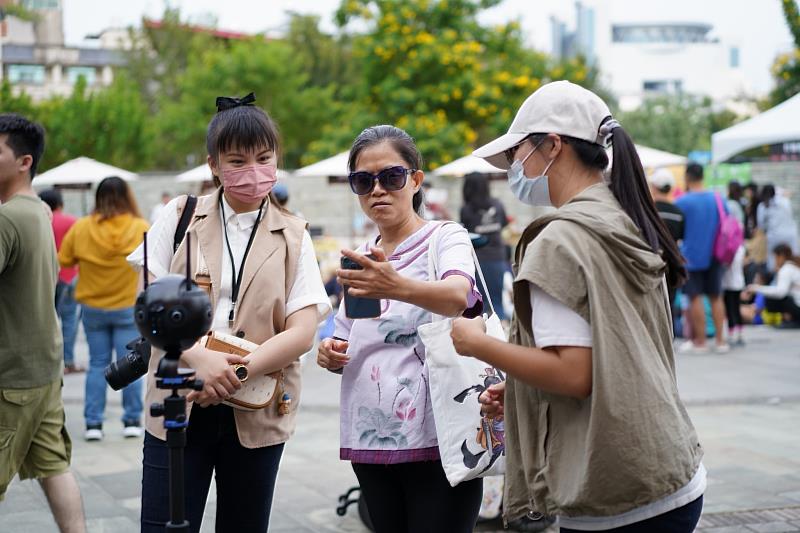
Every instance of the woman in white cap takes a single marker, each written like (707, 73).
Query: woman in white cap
(596, 433)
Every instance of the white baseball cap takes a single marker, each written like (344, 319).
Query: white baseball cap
(662, 178)
(558, 107)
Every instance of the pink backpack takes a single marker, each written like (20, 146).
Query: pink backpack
(730, 235)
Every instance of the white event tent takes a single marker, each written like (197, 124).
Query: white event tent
(652, 158)
(333, 166)
(776, 125)
(80, 171)
(467, 165)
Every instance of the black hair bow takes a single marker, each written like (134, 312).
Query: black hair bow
(229, 102)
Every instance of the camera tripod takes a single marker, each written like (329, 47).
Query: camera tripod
(171, 377)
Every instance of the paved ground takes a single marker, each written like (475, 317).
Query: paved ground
(745, 405)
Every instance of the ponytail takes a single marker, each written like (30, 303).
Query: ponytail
(629, 186)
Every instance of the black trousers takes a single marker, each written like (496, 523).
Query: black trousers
(245, 477)
(733, 303)
(417, 498)
(783, 305)
(681, 520)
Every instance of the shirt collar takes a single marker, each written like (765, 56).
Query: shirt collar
(243, 221)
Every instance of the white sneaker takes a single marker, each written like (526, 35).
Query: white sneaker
(93, 434)
(689, 347)
(722, 348)
(132, 432)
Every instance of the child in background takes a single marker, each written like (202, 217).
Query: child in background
(733, 285)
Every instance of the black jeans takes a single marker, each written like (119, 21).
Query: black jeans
(733, 303)
(783, 305)
(681, 520)
(245, 477)
(416, 498)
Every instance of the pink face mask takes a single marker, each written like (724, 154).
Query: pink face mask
(250, 184)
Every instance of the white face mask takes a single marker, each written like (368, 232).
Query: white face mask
(532, 191)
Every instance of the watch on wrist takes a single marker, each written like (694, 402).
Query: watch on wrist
(241, 372)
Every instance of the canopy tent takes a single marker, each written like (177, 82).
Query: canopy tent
(333, 166)
(776, 125)
(203, 173)
(467, 165)
(652, 158)
(81, 171)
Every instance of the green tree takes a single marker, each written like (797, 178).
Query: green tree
(267, 68)
(677, 124)
(160, 54)
(430, 67)
(20, 103)
(110, 125)
(327, 59)
(786, 68)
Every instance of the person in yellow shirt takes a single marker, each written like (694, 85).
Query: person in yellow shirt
(106, 288)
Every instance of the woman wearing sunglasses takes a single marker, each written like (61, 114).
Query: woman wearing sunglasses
(387, 426)
(596, 432)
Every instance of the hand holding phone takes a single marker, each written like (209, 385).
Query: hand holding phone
(355, 306)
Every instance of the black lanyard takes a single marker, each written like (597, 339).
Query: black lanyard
(236, 281)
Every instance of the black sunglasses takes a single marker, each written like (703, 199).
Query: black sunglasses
(511, 152)
(391, 179)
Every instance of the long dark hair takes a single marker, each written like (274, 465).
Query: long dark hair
(113, 197)
(629, 186)
(401, 142)
(476, 191)
(767, 194)
(784, 250)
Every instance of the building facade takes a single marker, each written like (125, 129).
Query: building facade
(35, 59)
(639, 59)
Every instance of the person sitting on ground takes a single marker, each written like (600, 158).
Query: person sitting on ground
(784, 295)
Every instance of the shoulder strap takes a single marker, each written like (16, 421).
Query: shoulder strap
(720, 209)
(433, 262)
(183, 223)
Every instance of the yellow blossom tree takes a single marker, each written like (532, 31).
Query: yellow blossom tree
(431, 68)
(786, 69)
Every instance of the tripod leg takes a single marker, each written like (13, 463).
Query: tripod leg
(176, 440)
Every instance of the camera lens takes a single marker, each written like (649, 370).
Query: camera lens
(176, 315)
(128, 369)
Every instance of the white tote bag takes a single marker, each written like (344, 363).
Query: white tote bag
(470, 445)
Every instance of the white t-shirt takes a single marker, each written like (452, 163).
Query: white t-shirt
(555, 324)
(306, 290)
(787, 283)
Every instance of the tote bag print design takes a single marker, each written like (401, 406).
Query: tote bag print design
(470, 445)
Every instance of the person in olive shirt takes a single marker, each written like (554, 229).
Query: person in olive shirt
(33, 440)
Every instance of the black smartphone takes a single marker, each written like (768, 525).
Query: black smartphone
(354, 306)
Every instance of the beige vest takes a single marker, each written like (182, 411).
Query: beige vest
(261, 311)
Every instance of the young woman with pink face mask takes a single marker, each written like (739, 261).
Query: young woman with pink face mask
(258, 264)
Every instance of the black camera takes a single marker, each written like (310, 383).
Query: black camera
(126, 370)
(172, 313)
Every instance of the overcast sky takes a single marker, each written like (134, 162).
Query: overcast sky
(755, 26)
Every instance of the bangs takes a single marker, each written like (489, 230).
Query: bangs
(246, 128)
